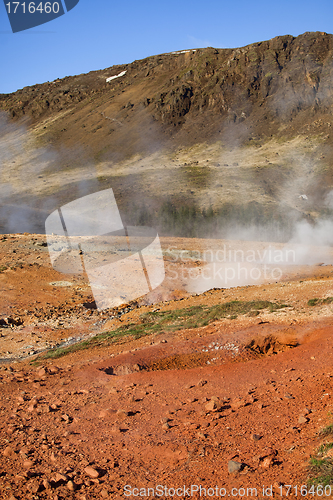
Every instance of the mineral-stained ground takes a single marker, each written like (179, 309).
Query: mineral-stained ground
(231, 388)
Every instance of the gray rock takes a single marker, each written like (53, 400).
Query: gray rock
(234, 466)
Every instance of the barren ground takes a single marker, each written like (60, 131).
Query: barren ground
(172, 408)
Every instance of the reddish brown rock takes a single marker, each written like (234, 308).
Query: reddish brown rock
(302, 420)
(211, 406)
(8, 452)
(27, 464)
(71, 486)
(91, 472)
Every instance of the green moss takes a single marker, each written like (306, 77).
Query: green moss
(169, 321)
(321, 466)
(321, 470)
(317, 301)
(313, 302)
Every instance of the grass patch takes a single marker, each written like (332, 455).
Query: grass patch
(321, 465)
(197, 176)
(327, 431)
(169, 321)
(317, 302)
(323, 448)
(322, 470)
(3, 268)
(313, 302)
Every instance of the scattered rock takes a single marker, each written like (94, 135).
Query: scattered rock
(91, 472)
(66, 418)
(8, 452)
(71, 486)
(237, 403)
(27, 464)
(11, 429)
(267, 458)
(267, 462)
(35, 486)
(302, 420)
(288, 396)
(106, 413)
(234, 466)
(46, 484)
(32, 406)
(211, 406)
(53, 370)
(61, 478)
(122, 413)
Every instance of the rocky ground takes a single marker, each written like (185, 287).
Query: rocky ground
(238, 402)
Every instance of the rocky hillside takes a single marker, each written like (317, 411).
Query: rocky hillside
(198, 111)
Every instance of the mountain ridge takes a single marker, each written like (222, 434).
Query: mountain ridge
(275, 82)
(239, 107)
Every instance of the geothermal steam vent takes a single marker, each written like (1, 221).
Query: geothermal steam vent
(122, 263)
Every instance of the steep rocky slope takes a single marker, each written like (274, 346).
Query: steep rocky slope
(272, 87)
(205, 127)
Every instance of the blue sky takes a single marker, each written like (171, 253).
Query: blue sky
(100, 33)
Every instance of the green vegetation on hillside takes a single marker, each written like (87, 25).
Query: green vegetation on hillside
(317, 302)
(187, 220)
(170, 321)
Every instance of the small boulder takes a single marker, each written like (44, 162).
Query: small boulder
(8, 452)
(234, 466)
(302, 420)
(211, 406)
(91, 472)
